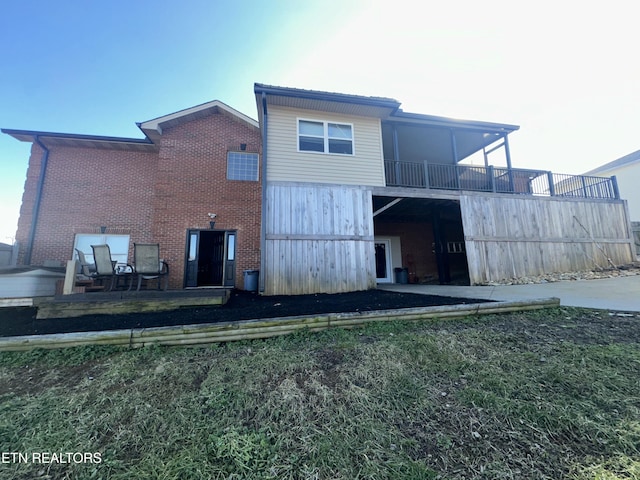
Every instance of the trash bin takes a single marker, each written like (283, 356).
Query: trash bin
(402, 275)
(251, 280)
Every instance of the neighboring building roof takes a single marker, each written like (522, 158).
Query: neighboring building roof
(620, 162)
(151, 128)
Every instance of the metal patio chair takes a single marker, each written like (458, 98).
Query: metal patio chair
(106, 267)
(86, 269)
(148, 265)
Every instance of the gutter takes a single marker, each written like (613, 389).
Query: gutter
(24, 136)
(36, 206)
(263, 208)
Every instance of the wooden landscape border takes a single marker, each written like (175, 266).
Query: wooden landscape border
(260, 328)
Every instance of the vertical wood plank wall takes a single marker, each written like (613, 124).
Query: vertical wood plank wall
(319, 239)
(510, 237)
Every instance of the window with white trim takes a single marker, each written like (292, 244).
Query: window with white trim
(118, 245)
(242, 166)
(325, 137)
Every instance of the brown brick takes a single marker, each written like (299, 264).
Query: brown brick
(153, 197)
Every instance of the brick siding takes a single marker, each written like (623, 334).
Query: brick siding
(191, 181)
(153, 197)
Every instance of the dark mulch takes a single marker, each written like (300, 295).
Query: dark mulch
(241, 306)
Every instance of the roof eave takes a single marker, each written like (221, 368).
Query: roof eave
(341, 103)
(326, 96)
(29, 135)
(80, 140)
(153, 128)
(445, 122)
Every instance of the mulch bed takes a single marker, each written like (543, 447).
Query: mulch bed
(241, 306)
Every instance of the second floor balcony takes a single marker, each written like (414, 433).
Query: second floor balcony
(497, 180)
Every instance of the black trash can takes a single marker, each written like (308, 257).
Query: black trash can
(251, 280)
(402, 275)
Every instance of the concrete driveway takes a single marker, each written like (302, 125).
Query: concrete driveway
(618, 293)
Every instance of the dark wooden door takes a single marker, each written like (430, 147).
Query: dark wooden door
(210, 258)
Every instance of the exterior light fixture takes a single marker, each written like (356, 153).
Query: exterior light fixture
(212, 222)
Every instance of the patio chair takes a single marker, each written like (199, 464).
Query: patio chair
(86, 269)
(148, 265)
(105, 266)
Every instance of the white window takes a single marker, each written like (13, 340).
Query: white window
(325, 137)
(118, 245)
(242, 166)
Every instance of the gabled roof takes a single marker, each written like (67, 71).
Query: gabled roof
(325, 101)
(620, 162)
(151, 128)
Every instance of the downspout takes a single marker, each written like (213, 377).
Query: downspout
(263, 207)
(36, 206)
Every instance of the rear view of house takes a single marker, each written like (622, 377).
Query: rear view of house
(327, 193)
(358, 192)
(192, 185)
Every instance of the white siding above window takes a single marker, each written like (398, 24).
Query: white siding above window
(288, 163)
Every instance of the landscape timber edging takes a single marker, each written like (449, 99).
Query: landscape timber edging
(260, 328)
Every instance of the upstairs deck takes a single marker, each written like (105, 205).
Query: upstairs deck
(498, 180)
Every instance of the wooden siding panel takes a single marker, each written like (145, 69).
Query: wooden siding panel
(508, 237)
(285, 163)
(319, 239)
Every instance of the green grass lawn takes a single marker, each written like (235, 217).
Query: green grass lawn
(547, 394)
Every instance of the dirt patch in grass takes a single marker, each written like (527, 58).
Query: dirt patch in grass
(241, 306)
(591, 327)
(33, 380)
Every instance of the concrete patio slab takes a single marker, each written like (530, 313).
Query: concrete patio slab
(617, 293)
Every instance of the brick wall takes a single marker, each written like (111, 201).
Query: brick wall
(416, 241)
(153, 197)
(192, 182)
(84, 189)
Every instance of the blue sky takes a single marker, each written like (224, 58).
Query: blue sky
(566, 72)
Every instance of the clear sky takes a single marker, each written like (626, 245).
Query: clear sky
(566, 71)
